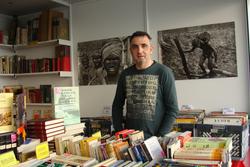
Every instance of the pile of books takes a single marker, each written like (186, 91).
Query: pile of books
(45, 129)
(190, 116)
(75, 129)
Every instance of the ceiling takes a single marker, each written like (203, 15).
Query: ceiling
(22, 7)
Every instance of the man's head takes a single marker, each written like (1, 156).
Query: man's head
(97, 59)
(112, 56)
(141, 49)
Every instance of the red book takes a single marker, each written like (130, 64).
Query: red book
(38, 134)
(45, 122)
(66, 63)
(43, 127)
(123, 133)
(42, 130)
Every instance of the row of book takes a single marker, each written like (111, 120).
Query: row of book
(50, 24)
(43, 94)
(47, 129)
(196, 116)
(20, 64)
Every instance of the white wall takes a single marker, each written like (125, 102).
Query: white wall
(100, 19)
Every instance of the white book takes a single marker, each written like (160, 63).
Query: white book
(154, 148)
(74, 126)
(74, 131)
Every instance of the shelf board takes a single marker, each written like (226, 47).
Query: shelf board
(59, 73)
(44, 43)
(39, 104)
(7, 75)
(6, 46)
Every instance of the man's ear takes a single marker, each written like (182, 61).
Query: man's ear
(151, 49)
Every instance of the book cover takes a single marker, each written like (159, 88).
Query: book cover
(154, 148)
(66, 102)
(6, 111)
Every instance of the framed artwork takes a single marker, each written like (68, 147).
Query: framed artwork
(206, 51)
(101, 61)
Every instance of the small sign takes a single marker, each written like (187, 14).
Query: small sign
(42, 150)
(8, 159)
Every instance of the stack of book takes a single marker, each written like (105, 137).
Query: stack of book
(208, 149)
(220, 118)
(45, 129)
(74, 129)
(190, 116)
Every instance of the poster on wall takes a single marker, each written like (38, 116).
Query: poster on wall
(101, 61)
(66, 103)
(206, 51)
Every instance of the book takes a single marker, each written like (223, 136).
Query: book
(51, 15)
(46, 93)
(154, 148)
(31, 146)
(45, 122)
(42, 126)
(74, 126)
(224, 120)
(74, 131)
(123, 133)
(208, 142)
(135, 137)
(199, 154)
(75, 160)
(42, 130)
(6, 111)
(44, 135)
(188, 163)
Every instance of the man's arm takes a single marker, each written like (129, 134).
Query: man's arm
(171, 105)
(117, 106)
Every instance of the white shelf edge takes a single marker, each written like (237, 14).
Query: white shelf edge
(6, 46)
(59, 73)
(39, 104)
(62, 2)
(44, 43)
(7, 75)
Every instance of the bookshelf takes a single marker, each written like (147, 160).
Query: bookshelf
(36, 49)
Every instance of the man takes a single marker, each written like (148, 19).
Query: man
(112, 57)
(149, 91)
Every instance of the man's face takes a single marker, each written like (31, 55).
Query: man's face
(97, 60)
(112, 64)
(141, 50)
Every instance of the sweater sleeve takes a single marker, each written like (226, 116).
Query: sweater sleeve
(118, 104)
(171, 105)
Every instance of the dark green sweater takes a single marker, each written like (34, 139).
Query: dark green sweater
(151, 100)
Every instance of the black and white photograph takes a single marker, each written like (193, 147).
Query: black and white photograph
(101, 61)
(197, 52)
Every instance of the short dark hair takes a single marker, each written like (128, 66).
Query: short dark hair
(139, 34)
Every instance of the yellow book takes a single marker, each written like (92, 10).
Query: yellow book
(6, 112)
(84, 145)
